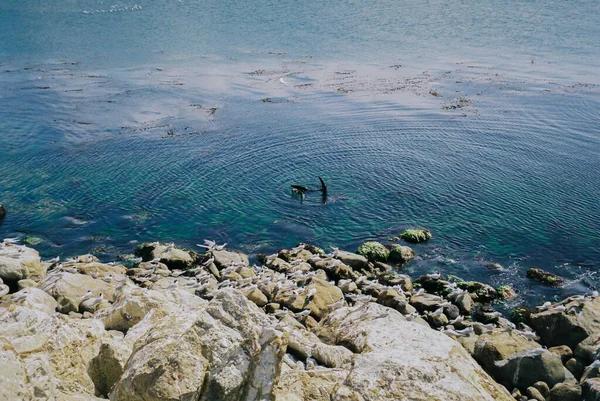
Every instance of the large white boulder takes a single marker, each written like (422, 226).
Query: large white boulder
(394, 360)
(18, 262)
(225, 349)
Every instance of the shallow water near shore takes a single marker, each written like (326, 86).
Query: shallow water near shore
(188, 120)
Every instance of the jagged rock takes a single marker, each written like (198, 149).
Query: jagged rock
(131, 304)
(108, 366)
(432, 285)
(314, 385)
(2, 212)
(227, 349)
(494, 266)
(511, 358)
(562, 328)
(46, 355)
(401, 254)
(436, 321)
(565, 392)
(395, 361)
(91, 305)
(225, 258)
(87, 258)
(382, 268)
(18, 262)
(544, 277)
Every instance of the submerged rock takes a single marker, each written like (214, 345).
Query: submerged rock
(544, 277)
(401, 254)
(2, 212)
(374, 251)
(416, 235)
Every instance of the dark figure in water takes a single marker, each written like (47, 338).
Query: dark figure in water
(301, 190)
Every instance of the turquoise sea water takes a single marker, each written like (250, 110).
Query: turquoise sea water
(182, 120)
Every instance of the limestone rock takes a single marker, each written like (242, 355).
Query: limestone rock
(26, 283)
(575, 366)
(396, 361)
(280, 265)
(45, 356)
(74, 286)
(66, 305)
(33, 298)
(108, 366)
(393, 299)
(225, 258)
(561, 328)
(257, 297)
(18, 262)
(132, 304)
(306, 344)
(227, 349)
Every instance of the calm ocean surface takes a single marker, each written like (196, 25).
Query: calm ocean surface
(181, 120)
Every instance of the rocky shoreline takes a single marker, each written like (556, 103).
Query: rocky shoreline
(174, 324)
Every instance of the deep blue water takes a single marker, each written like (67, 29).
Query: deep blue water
(182, 120)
